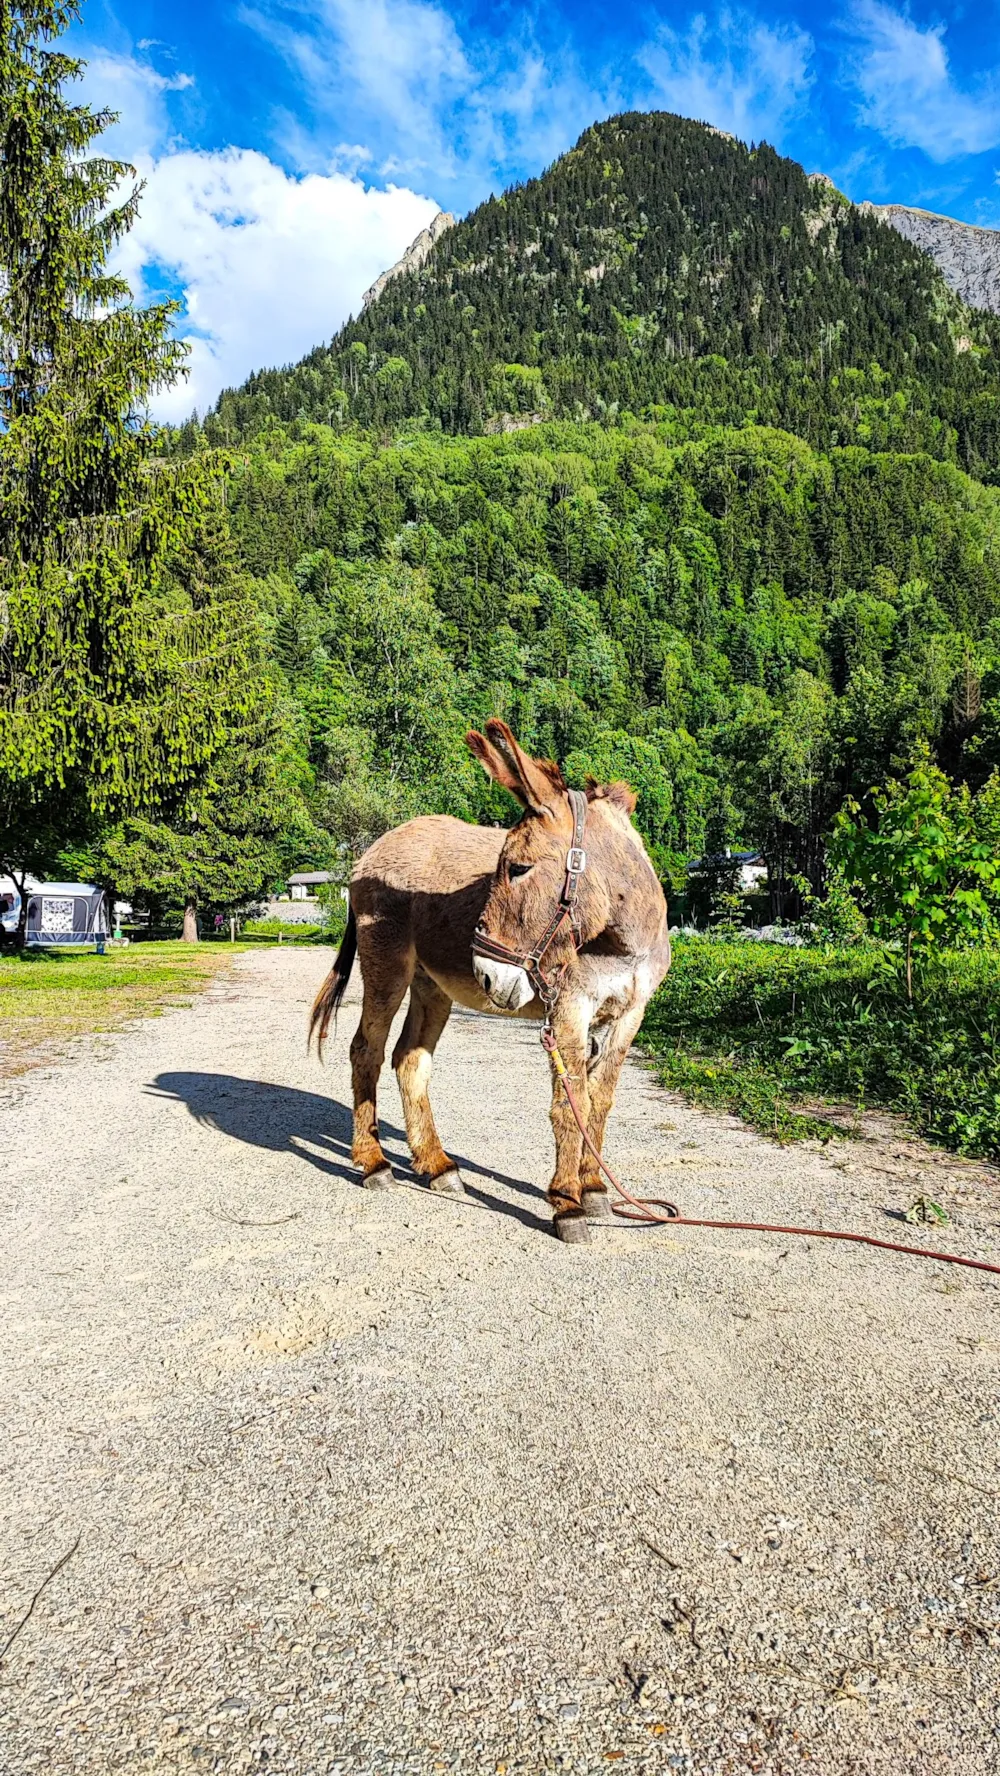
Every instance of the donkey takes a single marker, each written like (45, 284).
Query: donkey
(561, 917)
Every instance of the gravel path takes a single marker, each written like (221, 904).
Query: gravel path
(385, 1483)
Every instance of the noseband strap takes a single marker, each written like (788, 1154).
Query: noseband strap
(531, 960)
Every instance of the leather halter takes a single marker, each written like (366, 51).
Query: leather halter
(531, 960)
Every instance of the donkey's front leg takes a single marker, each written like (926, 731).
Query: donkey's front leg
(569, 1222)
(603, 1078)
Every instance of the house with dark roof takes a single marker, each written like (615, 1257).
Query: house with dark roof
(303, 885)
(751, 867)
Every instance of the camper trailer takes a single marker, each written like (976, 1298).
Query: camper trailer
(60, 914)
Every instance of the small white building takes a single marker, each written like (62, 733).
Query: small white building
(303, 885)
(752, 868)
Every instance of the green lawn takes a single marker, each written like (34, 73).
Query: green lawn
(47, 999)
(764, 1031)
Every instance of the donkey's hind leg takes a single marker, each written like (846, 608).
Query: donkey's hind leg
(428, 1013)
(386, 979)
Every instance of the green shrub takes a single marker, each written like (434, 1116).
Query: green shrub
(295, 931)
(926, 863)
(331, 898)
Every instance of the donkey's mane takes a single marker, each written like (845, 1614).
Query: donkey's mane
(619, 794)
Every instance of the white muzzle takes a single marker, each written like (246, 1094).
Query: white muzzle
(503, 982)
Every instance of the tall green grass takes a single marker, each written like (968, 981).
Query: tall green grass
(760, 1030)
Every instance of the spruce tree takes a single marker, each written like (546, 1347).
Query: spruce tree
(114, 689)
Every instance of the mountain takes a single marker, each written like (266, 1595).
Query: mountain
(660, 264)
(967, 256)
(664, 455)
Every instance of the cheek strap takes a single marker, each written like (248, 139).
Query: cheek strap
(530, 959)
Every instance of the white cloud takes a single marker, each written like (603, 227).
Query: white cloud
(426, 102)
(908, 92)
(401, 61)
(124, 84)
(739, 74)
(534, 110)
(267, 264)
(270, 264)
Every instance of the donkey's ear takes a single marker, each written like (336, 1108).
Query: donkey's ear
(622, 795)
(538, 783)
(493, 763)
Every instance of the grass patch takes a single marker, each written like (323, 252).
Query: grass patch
(744, 1090)
(759, 1030)
(46, 1000)
(289, 931)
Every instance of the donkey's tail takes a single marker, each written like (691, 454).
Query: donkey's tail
(335, 986)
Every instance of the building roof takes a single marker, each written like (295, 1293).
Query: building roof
(718, 859)
(63, 888)
(303, 878)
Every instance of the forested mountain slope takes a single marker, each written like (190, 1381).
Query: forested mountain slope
(746, 629)
(659, 262)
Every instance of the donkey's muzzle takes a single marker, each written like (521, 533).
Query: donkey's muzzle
(504, 983)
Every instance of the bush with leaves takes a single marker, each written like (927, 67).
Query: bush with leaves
(763, 1031)
(923, 861)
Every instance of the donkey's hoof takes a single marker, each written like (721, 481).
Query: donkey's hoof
(595, 1205)
(572, 1230)
(448, 1183)
(381, 1179)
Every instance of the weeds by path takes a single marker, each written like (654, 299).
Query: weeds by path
(759, 1030)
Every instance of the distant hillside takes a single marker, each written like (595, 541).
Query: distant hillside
(660, 263)
(968, 257)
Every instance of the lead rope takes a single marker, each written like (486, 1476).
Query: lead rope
(656, 1211)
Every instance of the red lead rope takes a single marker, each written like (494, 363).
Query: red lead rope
(656, 1211)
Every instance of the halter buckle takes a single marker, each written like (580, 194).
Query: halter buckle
(576, 861)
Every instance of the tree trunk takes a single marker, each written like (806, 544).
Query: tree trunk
(190, 932)
(21, 934)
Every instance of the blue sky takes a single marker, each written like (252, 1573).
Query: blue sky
(292, 148)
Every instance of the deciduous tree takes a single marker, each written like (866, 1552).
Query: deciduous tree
(926, 860)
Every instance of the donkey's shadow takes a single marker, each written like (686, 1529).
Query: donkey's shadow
(318, 1129)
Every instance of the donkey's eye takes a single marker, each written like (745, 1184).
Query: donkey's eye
(519, 869)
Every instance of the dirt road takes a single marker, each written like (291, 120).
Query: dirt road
(385, 1483)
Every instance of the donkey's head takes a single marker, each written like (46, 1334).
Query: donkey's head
(531, 872)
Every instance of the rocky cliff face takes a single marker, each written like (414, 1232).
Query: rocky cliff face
(415, 255)
(968, 257)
